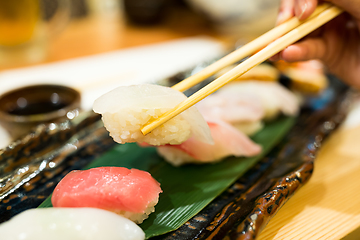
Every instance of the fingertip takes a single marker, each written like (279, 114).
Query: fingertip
(283, 16)
(292, 53)
(286, 11)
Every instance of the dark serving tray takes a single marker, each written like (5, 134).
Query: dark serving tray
(31, 167)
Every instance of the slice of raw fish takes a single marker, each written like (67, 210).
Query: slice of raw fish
(274, 97)
(232, 107)
(70, 224)
(228, 142)
(243, 111)
(129, 192)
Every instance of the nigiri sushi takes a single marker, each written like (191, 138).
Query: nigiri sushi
(244, 111)
(263, 72)
(126, 109)
(274, 97)
(307, 76)
(228, 142)
(130, 193)
(70, 224)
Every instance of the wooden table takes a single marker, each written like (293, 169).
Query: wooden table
(328, 207)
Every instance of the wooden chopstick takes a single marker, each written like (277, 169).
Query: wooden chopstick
(274, 47)
(246, 50)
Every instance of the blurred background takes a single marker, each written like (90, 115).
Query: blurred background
(33, 31)
(94, 46)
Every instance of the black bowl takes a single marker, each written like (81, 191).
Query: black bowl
(23, 108)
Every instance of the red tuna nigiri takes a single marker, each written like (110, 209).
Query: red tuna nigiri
(131, 193)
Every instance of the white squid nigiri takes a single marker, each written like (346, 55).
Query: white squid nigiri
(70, 224)
(228, 141)
(274, 97)
(126, 109)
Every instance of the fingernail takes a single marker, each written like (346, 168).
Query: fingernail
(300, 10)
(303, 9)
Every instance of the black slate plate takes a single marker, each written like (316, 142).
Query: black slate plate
(239, 213)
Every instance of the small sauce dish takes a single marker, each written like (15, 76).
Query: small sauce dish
(24, 108)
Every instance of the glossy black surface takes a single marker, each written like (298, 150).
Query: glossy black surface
(32, 166)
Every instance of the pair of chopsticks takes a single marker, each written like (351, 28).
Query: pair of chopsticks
(270, 44)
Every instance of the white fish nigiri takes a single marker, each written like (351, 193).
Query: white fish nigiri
(126, 109)
(242, 110)
(274, 97)
(228, 142)
(70, 224)
(232, 107)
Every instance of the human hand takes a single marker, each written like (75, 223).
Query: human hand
(336, 44)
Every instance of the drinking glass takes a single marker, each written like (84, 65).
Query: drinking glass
(26, 27)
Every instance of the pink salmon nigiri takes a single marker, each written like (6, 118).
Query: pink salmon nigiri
(130, 193)
(228, 141)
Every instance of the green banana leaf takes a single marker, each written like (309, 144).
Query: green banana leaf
(187, 189)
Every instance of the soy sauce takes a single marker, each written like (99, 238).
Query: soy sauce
(36, 108)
